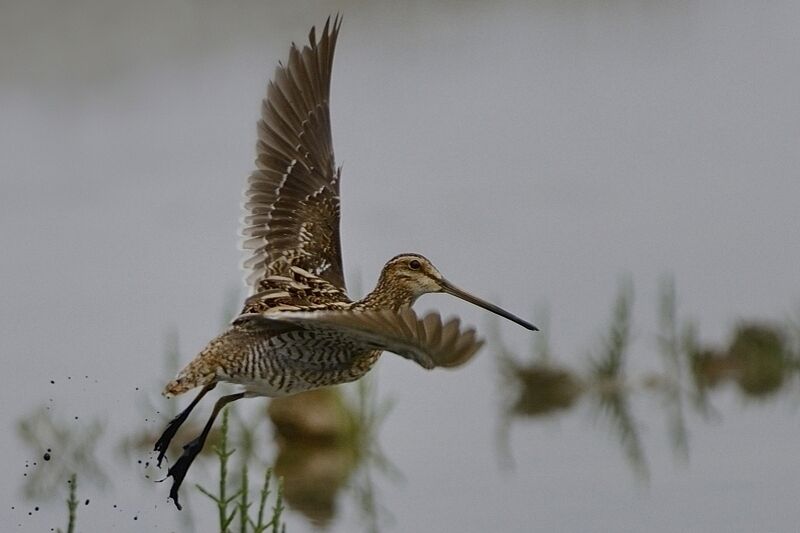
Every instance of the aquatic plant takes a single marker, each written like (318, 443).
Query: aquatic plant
(72, 504)
(230, 506)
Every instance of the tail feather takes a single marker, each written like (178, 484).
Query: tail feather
(220, 357)
(196, 374)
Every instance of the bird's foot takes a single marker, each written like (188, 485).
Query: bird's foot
(178, 471)
(163, 442)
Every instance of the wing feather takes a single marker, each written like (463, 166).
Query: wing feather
(426, 341)
(292, 198)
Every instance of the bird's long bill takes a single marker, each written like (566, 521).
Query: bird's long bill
(449, 288)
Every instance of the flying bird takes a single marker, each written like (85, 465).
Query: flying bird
(298, 330)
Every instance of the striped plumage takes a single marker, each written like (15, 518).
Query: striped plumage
(298, 330)
(315, 348)
(292, 198)
(303, 333)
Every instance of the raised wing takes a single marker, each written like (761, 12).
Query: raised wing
(427, 341)
(292, 199)
(302, 290)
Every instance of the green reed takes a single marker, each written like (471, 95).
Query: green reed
(238, 504)
(72, 504)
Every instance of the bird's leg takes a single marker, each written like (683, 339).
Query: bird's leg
(163, 442)
(192, 449)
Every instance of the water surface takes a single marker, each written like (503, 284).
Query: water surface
(538, 152)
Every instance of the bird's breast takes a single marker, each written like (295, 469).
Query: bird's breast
(295, 361)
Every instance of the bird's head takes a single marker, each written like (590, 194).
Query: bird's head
(415, 275)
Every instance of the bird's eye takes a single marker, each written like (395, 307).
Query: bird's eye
(414, 264)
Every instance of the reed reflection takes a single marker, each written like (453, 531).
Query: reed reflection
(761, 359)
(542, 388)
(327, 443)
(62, 446)
(757, 360)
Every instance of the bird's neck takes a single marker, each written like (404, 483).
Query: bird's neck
(387, 296)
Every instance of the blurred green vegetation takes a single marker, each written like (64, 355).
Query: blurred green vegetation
(761, 359)
(232, 505)
(72, 505)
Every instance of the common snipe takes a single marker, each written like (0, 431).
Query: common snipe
(298, 330)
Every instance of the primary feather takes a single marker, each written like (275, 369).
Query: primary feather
(292, 198)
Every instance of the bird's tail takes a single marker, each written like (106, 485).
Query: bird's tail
(196, 374)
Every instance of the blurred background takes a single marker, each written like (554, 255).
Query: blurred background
(624, 173)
